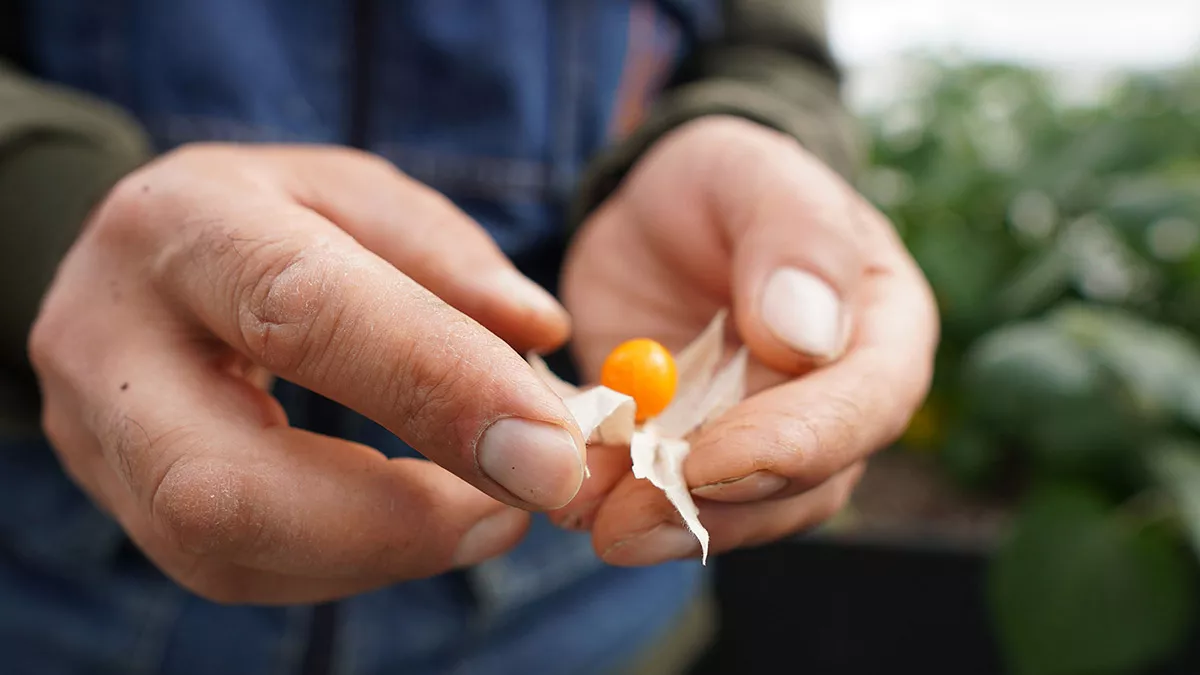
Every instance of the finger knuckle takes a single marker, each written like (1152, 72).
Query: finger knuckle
(131, 451)
(433, 385)
(288, 313)
(844, 415)
(201, 508)
(359, 164)
(408, 548)
(801, 447)
(46, 337)
(805, 443)
(909, 396)
(431, 388)
(156, 209)
(372, 162)
(126, 211)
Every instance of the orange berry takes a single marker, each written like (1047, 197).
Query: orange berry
(645, 370)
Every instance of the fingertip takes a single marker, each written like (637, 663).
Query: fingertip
(541, 333)
(529, 294)
(633, 506)
(798, 268)
(539, 464)
(753, 487)
(531, 316)
(607, 468)
(663, 543)
(490, 537)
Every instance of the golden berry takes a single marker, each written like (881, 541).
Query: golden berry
(644, 370)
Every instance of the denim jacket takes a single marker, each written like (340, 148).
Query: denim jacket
(499, 104)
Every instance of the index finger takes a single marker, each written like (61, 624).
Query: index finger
(303, 299)
(813, 427)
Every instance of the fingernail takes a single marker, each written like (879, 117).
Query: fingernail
(751, 488)
(538, 463)
(804, 312)
(661, 544)
(525, 291)
(489, 537)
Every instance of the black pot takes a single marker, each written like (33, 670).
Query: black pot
(848, 606)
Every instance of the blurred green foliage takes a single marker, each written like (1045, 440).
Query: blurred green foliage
(1062, 238)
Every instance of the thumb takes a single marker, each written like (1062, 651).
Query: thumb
(799, 257)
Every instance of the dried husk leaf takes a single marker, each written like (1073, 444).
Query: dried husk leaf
(659, 448)
(660, 460)
(696, 365)
(727, 389)
(603, 415)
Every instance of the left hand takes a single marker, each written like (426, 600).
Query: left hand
(839, 320)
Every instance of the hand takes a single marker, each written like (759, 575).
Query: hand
(839, 321)
(214, 268)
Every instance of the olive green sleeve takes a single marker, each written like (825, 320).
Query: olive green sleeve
(60, 152)
(771, 63)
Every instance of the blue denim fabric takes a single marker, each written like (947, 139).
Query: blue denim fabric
(496, 103)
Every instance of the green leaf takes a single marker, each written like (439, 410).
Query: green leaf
(1159, 364)
(1137, 201)
(1079, 591)
(1176, 466)
(972, 458)
(1041, 280)
(1027, 370)
(1032, 382)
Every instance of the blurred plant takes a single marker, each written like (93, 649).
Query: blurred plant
(1063, 242)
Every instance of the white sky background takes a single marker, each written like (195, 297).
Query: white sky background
(1082, 37)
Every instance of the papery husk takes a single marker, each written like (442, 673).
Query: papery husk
(660, 447)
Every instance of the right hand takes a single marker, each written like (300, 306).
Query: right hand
(215, 268)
